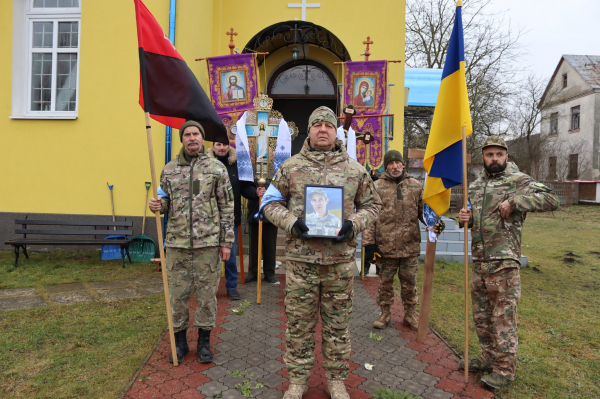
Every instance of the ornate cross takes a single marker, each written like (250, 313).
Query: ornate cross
(231, 34)
(367, 52)
(304, 6)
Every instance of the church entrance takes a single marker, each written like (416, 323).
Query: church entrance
(301, 84)
(298, 88)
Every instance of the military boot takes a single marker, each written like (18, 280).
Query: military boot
(476, 365)
(204, 353)
(384, 318)
(410, 317)
(295, 391)
(181, 346)
(337, 390)
(496, 381)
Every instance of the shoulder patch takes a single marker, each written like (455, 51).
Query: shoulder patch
(229, 188)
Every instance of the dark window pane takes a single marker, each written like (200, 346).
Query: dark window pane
(68, 34)
(55, 3)
(303, 79)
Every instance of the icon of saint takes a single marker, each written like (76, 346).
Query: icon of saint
(233, 91)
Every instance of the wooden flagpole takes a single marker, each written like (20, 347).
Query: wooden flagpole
(466, 228)
(160, 241)
(427, 290)
(261, 183)
(241, 251)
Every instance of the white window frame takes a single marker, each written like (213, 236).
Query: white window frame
(24, 15)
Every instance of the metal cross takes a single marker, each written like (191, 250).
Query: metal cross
(304, 6)
(231, 34)
(367, 52)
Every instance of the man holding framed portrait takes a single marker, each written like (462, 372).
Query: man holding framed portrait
(321, 192)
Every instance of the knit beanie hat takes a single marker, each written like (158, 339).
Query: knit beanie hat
(390, 156)
(188, 124)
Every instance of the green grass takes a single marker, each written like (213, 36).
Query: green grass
(46, 268)
(559, 311)
(77, 351)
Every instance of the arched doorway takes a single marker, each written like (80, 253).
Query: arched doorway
(300, 84)
(297, 88)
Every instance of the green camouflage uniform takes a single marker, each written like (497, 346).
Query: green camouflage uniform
(326, 225)
(200, 206)
(496, 249)
(320, 272)
(397, 236)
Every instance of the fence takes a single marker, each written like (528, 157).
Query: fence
(567, 192)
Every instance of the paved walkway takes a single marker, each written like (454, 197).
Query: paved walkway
(255, 343)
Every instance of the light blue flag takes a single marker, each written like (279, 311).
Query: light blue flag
(242, 150)
(271, 195)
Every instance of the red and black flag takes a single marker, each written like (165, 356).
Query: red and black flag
(169, 91)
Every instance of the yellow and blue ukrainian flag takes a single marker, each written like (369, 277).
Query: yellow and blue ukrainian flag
(443, 157)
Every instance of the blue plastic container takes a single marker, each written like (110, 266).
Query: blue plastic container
(111, 252)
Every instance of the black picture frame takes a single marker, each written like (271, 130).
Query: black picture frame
(328, 225)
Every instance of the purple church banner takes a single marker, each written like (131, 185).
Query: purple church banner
(365, 85)
(233, 84)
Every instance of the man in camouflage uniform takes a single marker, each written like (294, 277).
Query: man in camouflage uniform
(500, 200)
(321, 222)
(195, 190)
(397, 238)
(320, 272)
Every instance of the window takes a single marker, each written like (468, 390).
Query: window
(48, 84)
(552, 168)
(554, 123)
(575, 118)
(306, 79)
(564, 80)
(573, 163)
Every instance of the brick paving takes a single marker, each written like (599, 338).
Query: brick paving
(255, 343)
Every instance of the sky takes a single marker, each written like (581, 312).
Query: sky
(554, 28)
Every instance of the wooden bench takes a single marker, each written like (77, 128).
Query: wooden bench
(18, 243)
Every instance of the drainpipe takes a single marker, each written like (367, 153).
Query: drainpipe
(172, 14)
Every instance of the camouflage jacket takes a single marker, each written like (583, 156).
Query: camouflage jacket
(495, 238)
(200, 203)
(332, 168)
(396, 233)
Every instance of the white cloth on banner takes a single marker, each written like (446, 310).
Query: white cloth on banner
(283, 149)
(351, 144)
(242, 150)
(341, 135)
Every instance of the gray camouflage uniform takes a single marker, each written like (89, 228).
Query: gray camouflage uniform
(200, 206)
(320, 272)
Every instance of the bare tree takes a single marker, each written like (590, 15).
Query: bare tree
(529, 145)
(491, 49)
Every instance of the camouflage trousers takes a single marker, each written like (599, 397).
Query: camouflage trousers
(495, 297)
(312, 290)
(407, 274)
(189, 270)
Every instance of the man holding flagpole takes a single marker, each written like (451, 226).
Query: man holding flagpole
(320, 272)
(500, 200)
(196, 192)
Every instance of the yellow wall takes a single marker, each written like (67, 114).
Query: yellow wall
(62, 166)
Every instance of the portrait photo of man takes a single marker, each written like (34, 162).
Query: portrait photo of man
(233, 88)
(321, 221)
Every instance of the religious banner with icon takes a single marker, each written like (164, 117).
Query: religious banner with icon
(233, 83)
(365, 87)
(262, 130)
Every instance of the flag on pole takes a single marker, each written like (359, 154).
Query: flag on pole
(169, 90)
(283, 148)
(242, 150)
(351, 143)
(443, 155)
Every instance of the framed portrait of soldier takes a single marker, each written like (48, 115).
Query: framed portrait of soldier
(323, 210)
